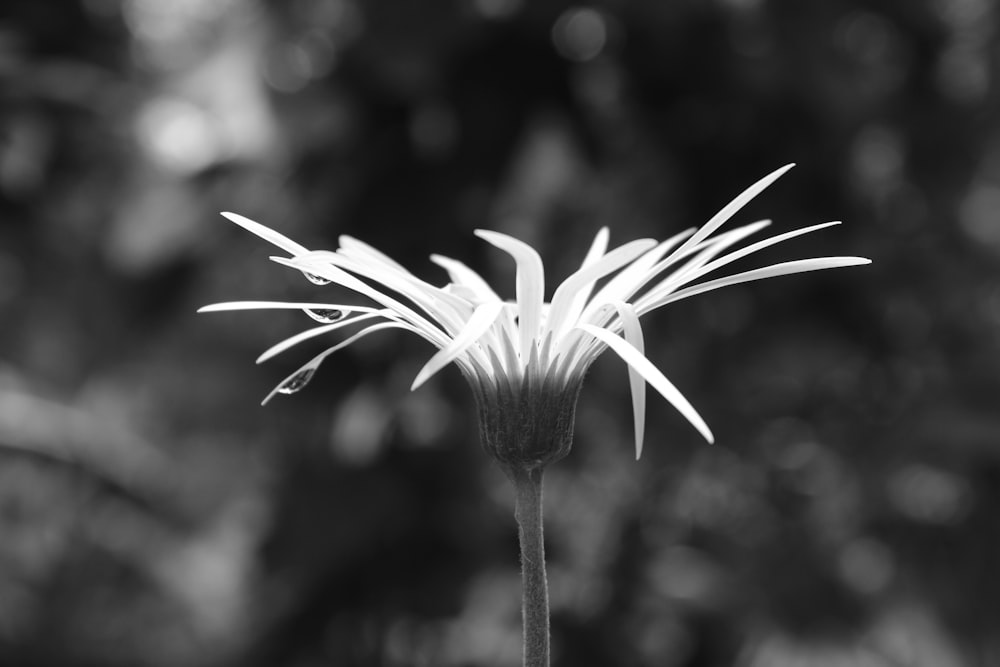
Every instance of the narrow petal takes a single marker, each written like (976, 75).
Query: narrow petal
(653, 301)
(267, 234)
(449, 310)
(530, 286)
(652, 375)
(597, 248)
(280, 305)
(706, 251)
(633, 334)
(563, 300)
(730, 209)
(481, 320)
(304, 374)
(351, 244)
(336, 275)
(632, 277)
(703, 253)
(303, 336)
(760, 245)
(461, 274)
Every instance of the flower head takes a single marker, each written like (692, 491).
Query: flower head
(525, 359)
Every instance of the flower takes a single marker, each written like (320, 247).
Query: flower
(525, 360)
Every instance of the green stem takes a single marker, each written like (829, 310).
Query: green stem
(535, 591)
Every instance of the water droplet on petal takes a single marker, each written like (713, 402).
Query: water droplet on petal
(297, 381)
(316, 280)
(326, 315)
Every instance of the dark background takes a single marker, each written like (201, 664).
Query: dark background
(152, 514)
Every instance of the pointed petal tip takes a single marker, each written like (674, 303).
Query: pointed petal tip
(487, 234)
(234, 217)
(635, 359)
(418, 382)
(779, 172)
(848, 261)
(705, 432)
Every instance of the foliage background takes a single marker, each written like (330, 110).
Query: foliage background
(152, 514)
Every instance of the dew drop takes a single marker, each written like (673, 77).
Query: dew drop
(314, 279)
(297, 381)
(325, 315)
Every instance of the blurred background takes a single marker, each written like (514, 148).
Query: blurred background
(152, 514)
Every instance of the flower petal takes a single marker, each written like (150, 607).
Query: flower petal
(449, 310)
(279, 305)
(632, 277)
(633, 334)
(730, 209)
(302, 336)
(652, 301)
(530, 286)
(652, 375)
(482, 319)
(300, 377)
(564, 299)
(760, 245)
(705, 252)
(462, 275)
(597, 248)
(352, 246)
(267, 234)
(336, 275)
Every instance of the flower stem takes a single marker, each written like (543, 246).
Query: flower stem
(535, 592)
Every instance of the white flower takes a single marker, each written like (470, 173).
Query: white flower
(526, 359)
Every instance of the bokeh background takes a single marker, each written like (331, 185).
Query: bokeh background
(152, 514)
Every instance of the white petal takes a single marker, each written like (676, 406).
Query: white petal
(302, 336)
(706, 251)
(447, 309)
(530, 286)
(597, 248)
(336, 275)
(732, 207)
(481, 320)
(351, 245)
(653, 376)
(267, 234)
(633, 334)
(633, 277)
(279, 305)
(462, 275)
(564, 299)
(315, 362)
(645, 305)
(760, 245)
